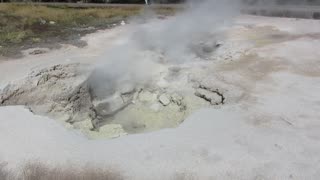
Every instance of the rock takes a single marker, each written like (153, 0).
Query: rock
(127, 93)
(42, 21)
(38, 51)
(212, 97)
(126, 89)
(52, 91)
(183, 108)
(177, 99)
(164, 100)
(108, 106)
(219, 43)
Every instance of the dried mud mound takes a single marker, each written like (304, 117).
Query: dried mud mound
(52, 91)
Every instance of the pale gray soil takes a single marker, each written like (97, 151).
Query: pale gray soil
(250, 110)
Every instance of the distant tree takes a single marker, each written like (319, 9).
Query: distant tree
(143, 1)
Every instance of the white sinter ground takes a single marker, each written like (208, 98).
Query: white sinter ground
(270, 131)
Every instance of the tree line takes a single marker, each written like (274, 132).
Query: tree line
(251, 2)
(100, 1)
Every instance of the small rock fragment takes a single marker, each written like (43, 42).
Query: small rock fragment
(108, 106)
(176, 98)
(38, 51)
(42, 21)
(164, 100)
(218, 44)
(212, 97)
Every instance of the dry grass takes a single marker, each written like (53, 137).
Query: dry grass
(38, 171)
(25, 25)
(31, 13)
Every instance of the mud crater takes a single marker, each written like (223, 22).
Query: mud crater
(62, 92)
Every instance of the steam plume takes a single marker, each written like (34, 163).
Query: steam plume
(129, 65)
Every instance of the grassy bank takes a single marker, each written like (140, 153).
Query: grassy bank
(23, 26)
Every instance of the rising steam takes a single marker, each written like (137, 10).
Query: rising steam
(147, 46)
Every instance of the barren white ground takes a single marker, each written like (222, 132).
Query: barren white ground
(273, 132)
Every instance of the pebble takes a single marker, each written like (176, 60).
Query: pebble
(164, 100)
